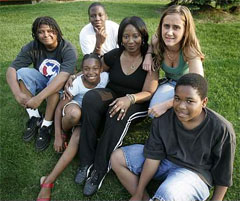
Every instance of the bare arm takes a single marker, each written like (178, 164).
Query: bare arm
(194, 63)
(56, 84)
(100, 39)
(218, 193)
(68, 84)
(195, 66)
(149, 87)
(148, 62)
(58, 143)
(12, 81)
(149, 169)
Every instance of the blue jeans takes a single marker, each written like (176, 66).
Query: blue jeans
(33, 79)
(163, 93)
(178, 183)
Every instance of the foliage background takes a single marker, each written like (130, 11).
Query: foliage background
(21, 166)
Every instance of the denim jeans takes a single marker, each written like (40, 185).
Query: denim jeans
(33, 79)
(179, 183)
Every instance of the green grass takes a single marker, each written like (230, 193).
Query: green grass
(21, 166)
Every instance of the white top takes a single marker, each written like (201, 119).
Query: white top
(87, 38)
(78, 89)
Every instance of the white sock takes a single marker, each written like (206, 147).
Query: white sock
(46, 123)
(33, 113)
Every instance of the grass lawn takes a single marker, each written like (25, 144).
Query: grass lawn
(21, 166)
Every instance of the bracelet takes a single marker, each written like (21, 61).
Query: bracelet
(74, 76)
(132, 99)
(98, 48)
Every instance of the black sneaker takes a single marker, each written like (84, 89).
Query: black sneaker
(32, 127)
(43, 138)
(93, 183)
(82, 174)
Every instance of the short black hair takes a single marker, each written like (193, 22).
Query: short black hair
(47, 21)
(92, 56)
(94, 5)
(196, 81)
(140, 25)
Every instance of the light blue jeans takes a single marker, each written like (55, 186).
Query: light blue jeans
(179, 183)
(163, 93)
(33, 79)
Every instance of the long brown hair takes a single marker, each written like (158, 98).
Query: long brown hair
(189, 41)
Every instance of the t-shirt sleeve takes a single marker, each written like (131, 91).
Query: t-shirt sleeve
(111, 57)
(104, 80)
(87, 41)
(24, 58)
(116, 32)
(69, 61)
(75, 89)
(154, 148)
(223, 155)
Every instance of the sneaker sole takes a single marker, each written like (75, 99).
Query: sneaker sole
(33, 133)
(38, 149)
(43, 147)
(30, 137)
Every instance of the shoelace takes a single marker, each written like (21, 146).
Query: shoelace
(82, 169)
(94, 176)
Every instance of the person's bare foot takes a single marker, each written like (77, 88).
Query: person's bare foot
(46, 187)
(145, 197)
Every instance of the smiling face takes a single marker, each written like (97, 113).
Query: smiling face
(173, 29)
(47, 36)
(131, 39)
(91, 70)
(97, 17)
(188, 105)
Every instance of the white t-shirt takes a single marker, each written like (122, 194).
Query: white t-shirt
(87, 38)
(78, 89)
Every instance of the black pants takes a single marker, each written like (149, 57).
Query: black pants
(95, 111)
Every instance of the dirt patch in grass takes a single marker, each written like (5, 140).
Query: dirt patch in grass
(215, 15)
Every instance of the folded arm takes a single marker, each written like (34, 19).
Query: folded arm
(54, 87)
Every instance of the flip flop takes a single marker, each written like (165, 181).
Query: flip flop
(43, 185)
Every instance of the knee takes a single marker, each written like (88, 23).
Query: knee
(90, 98)
(73, 114)
(117, 159)
(172, 192)
(24, 73)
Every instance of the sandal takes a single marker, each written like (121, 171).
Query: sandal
(44, 185)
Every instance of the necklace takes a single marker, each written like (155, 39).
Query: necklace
(134, 61)
(170, 57)
(133, 67)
